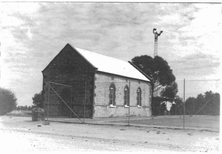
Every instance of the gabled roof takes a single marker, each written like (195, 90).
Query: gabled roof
(111, 65)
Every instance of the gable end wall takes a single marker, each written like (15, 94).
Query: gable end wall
(69, 68)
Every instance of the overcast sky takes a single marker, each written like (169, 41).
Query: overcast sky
(33, 33)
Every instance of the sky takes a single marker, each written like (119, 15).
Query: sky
(33, 33)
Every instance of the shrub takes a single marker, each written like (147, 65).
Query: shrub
(7, 101)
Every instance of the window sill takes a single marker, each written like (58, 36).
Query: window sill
(126, 106)
(112, 106)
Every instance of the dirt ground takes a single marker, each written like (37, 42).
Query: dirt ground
(28, 136)
(194, 122)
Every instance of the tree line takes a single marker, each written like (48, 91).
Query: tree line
(24, 108)
(204, 104)
(207, 104)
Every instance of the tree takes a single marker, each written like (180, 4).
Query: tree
(38, 99)
(190, 105)
(160, 74)
(207, 104)
(200, 103)
(170, 91)
(7, 101)
(178, 106)
(156, 68)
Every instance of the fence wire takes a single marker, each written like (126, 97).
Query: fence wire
(129, 103)
(200, 104)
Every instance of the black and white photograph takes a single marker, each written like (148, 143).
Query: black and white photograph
(110, 76)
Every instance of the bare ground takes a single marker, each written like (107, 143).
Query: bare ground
(26, 135)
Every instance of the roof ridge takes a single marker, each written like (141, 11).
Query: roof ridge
(99, 54)
(107, 64)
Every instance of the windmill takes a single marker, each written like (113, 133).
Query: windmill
(156, 35)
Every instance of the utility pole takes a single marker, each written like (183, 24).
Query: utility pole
(156, 35)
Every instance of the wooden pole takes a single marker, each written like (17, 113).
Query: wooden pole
(71, 114)
(65, 103)
(48, 102)
(184, 104)
(84, 103)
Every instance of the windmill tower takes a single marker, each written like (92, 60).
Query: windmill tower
(156, 35)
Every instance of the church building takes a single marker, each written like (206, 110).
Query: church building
(81, 83)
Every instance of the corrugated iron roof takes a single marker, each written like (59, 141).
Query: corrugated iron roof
(111, 65)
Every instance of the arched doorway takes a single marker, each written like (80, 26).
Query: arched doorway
(66, 96)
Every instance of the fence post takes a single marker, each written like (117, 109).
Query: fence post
(184, 104)
(71, 103)
(48, 102)
(84, 102)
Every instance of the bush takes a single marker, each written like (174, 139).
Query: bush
(7, 101)
(38, 100)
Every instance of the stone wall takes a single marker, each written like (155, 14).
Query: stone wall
(69, 68)
(101, 96)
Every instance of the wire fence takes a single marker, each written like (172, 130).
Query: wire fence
(201, 103)
(129, 103)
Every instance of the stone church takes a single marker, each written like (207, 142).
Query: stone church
(81, 83)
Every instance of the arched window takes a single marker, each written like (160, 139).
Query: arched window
(112, 94)
(126, 96)
(139, 96)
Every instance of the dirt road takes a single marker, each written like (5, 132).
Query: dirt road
(26, 135)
